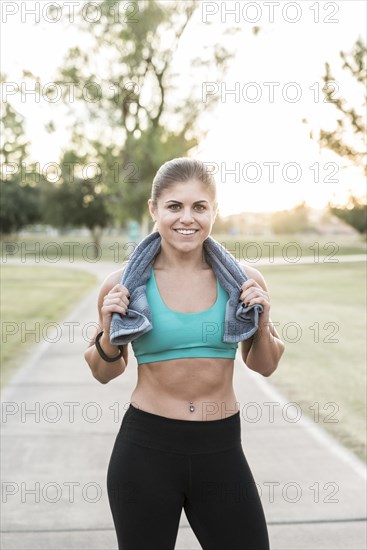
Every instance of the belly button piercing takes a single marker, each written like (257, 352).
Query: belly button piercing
(192, 408)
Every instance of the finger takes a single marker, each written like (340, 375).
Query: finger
(249, 283)
(118, 288)
(258, 300)
(114, 308)
(249, 293)
(114, 301)
(121, 290)
(116, 295)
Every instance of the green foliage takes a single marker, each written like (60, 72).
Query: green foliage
(130, 113)
(19, 204)
(133, 115)
(77, 200)
(348, 139)
(13, 143)
(350, 122)
(354, 213)
(75, 204)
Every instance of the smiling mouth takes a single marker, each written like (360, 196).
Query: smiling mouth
(186, 231)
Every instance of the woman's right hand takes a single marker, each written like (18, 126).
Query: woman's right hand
(116, 300)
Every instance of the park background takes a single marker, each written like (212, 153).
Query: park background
(94, 101)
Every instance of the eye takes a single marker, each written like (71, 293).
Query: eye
(200, 206)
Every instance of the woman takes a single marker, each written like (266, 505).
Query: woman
(179, 445)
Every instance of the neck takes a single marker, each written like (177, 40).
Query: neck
(176, 260)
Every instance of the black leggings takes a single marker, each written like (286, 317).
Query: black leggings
(160, 465)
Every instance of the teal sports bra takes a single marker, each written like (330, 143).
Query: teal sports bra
(178, 335)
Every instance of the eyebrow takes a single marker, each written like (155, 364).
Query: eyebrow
(196, 202)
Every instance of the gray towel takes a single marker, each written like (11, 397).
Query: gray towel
(240, 322)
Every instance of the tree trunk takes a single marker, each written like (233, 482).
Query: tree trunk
(96, 233)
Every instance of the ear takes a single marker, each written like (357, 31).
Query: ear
(152, 210)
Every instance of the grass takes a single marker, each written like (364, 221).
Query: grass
(323, 248)
(31, 297)
(323, 367)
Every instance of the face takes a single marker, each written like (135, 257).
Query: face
(184, 206)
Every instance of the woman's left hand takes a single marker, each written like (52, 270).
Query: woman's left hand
(252, 293)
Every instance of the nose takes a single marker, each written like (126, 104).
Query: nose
(186, 215)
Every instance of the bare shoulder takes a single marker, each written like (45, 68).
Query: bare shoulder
(113, 278)
(110, 281)
(253, 273)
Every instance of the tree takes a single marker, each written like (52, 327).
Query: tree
(19, 204)
(354, 213)
(348, 139)
(134, 114)
(76, 201)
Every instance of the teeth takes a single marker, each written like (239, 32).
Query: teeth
(185, 231)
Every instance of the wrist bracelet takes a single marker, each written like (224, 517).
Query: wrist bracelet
(102, 353)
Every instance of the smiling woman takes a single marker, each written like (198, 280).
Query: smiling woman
(181, 432)
(188, 218)
(198, 212)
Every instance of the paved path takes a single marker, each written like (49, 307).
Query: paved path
(59, 426)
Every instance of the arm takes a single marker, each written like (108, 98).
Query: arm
(264, 349)
(102, 370)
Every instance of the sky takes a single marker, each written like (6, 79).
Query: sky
(256, 143)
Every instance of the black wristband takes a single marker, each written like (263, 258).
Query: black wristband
(102, 353)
